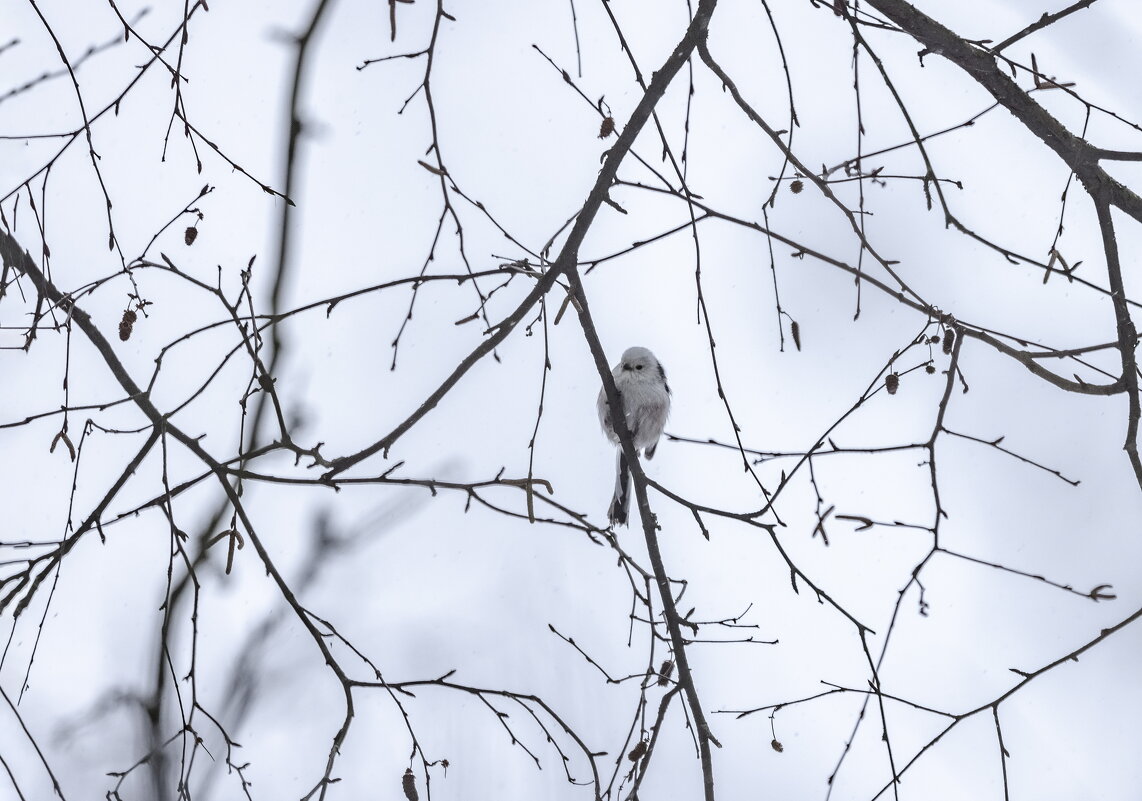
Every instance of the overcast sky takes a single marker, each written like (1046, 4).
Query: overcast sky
(424, 585)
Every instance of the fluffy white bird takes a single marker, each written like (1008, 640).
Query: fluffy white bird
(641, 382)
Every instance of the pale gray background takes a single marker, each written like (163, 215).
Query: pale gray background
(429, 588)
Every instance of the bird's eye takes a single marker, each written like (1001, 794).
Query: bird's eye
(638, 367)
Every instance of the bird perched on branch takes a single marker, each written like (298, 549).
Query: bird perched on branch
(645, 395)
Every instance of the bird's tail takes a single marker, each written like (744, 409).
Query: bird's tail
(620, 503)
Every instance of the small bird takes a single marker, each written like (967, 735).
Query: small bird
(641, 382)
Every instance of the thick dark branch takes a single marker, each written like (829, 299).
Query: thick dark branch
(1117, 155)
(1127, 334)
(570, 252)
(650, 533)
(1076, 152)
